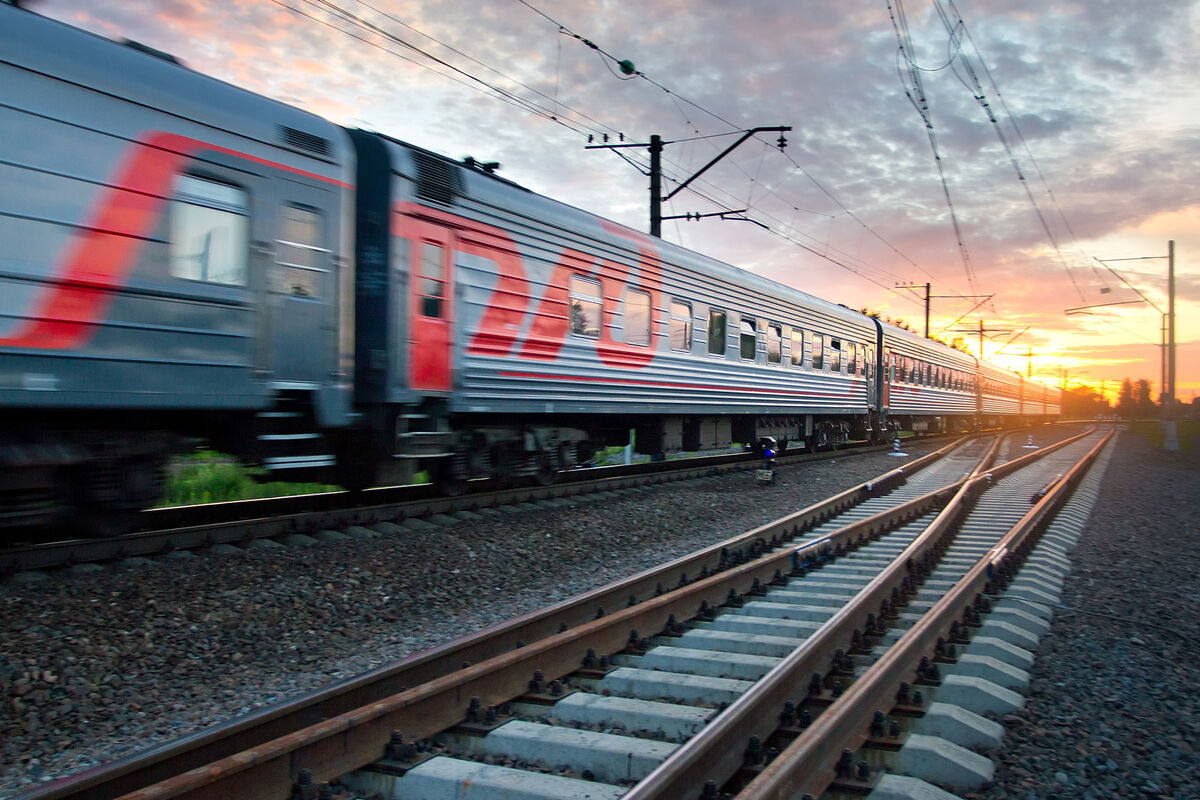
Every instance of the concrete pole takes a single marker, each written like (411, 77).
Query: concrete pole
(1171, 328)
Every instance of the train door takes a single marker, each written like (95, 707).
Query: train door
(301, 288)
(431, 318)
(866, 357)
(889, 374)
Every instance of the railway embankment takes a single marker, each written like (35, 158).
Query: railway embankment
(1113, 708)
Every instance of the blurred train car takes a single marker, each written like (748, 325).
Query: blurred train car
(187, 261)
(173, 248)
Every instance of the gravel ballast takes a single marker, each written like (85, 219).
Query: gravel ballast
(99, 665)
(96, 666)
(1113, 706)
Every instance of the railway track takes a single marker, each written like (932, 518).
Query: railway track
(728, 598)
(241, 523)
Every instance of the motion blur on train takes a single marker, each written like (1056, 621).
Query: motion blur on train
(184, 261)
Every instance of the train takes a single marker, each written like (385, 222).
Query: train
(186, 261)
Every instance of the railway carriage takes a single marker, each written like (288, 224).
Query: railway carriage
(531, 333)
(931, 388)
(186, 260)
(999, 394)
(170, 266)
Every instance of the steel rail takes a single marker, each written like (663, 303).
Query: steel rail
(346, 742)
(249, 732)
(807, 765)
(716, 753)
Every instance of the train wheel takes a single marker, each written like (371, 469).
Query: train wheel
(545, 472)
(446, 478)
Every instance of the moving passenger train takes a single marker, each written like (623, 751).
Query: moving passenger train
(185, 260)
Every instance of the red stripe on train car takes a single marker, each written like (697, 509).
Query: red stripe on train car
(673, 385)
(99, 259)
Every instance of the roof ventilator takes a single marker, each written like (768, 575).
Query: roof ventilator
(310, 142)
(438, 180)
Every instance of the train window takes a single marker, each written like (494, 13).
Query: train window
(774, 343)
(681, 326)
(716, 332)
(431, 287)
(637, 318)
(797, 347)
(818, 351)
(210, 238)
(747, 339)
(299, 258)
(585, 307)
(852, 359)
(835, 355)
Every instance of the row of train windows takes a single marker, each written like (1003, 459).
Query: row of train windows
(210, 239)
(998, 389)
(921, 373)
(587, 306)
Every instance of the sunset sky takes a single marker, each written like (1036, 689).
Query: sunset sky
(1096, 103)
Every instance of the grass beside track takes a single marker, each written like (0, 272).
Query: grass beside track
(208, 477)
(1188, 432)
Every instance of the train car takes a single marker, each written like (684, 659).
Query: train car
(1039, 403)
(999, 395)
(501, 331)
(172, 264)
(1053, 404)
(931, 388)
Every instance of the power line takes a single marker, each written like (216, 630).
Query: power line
(467, 78)
(921, 103)
(486, 66)
(977, 91)
(678, 98)
(1012, 121)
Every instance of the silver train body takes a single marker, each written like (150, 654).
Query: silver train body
(182, 260)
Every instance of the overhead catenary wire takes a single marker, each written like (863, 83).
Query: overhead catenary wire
(1012, 121)
(916, 95)
(678, 98)
(973, 85)
(459, 75)
(369, 32)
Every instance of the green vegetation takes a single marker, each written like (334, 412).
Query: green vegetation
(1188, 432)
(208, 477)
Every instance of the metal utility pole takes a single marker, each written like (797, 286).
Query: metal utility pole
(982, 298)
(1167, 330)
(656, 145)
(981, 331)
(927, 296)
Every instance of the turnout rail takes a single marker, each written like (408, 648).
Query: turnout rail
(339, 732)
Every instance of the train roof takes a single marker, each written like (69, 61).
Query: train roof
(139, 74)
(474, 185)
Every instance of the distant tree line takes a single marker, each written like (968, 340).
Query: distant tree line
(1135, 401)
